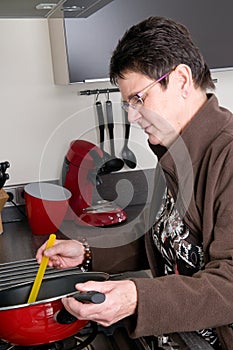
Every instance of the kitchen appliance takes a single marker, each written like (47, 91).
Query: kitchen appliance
(81, 175)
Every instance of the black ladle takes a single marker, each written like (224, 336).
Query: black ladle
(109, 164)
(116, 163)
(127, 155)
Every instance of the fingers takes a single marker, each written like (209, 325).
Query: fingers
(55, 250)
(120, 302)
(64, 253)
(40, 253)
(100, 313)
(105, 287)
(50, 252)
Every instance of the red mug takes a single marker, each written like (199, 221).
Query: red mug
(46, 206)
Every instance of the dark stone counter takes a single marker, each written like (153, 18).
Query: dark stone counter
(18, 243)
(131, 190)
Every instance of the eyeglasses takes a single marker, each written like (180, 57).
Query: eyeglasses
(136, 102)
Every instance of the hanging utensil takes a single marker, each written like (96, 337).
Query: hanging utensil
(127, 155)
(116, 163)
(110, 162)
(106, 156)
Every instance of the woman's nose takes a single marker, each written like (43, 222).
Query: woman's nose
(133, 115)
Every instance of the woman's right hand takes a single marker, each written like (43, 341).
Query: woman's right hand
(63, 254)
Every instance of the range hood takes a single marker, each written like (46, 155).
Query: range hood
(45, 9)
(82, 8)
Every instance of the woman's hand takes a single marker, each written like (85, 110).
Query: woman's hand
(120, 302)
(63, 254)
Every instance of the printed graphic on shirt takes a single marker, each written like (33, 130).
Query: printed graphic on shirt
(172, 238)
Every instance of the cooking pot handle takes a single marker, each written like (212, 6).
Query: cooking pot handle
(90, 297)
(64, 317)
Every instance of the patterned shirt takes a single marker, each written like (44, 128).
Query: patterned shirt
(181, 252)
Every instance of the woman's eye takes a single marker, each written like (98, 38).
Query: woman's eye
(139, 101)
(136, 100)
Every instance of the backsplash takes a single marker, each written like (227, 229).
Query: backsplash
(126, 188)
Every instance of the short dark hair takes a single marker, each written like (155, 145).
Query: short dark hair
(154, 47)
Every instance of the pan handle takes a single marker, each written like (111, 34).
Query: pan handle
(64, 317)
(90, 297)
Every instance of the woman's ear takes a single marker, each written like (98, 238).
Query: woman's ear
(185, 81)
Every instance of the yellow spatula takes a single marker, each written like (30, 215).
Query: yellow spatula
(40, 273)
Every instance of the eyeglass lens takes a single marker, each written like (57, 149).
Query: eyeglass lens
(135, 102)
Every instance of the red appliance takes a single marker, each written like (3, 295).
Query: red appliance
(81, 169)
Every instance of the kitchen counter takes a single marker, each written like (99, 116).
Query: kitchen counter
(18, 243)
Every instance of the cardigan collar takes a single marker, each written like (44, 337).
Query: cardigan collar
(180, 161)
(196, 137)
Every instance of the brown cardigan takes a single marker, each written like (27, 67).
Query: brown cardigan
(199, 172)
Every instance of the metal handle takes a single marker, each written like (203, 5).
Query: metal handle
(110, 126)
(100, 115)
(127, 127)
(109, 112)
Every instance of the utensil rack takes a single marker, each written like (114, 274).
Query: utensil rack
(107, 90)
(98, 91)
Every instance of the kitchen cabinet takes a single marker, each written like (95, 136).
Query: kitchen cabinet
(43, 9)
(82, 47)
(72, 11)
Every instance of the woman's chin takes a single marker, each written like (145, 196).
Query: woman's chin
(153, 140)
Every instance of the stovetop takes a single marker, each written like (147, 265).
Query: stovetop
(116, 338)
(112, 338)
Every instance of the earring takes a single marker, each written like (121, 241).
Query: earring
(184, 94)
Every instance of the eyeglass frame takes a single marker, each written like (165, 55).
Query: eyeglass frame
(127, 104)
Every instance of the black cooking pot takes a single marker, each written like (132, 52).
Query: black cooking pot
(41, 322)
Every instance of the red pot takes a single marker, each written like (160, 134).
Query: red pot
(36, 323)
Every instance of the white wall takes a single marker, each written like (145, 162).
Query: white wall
(39, 119)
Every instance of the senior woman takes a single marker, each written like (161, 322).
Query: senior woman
(165, 86)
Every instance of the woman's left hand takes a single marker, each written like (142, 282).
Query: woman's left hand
(120, 302)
